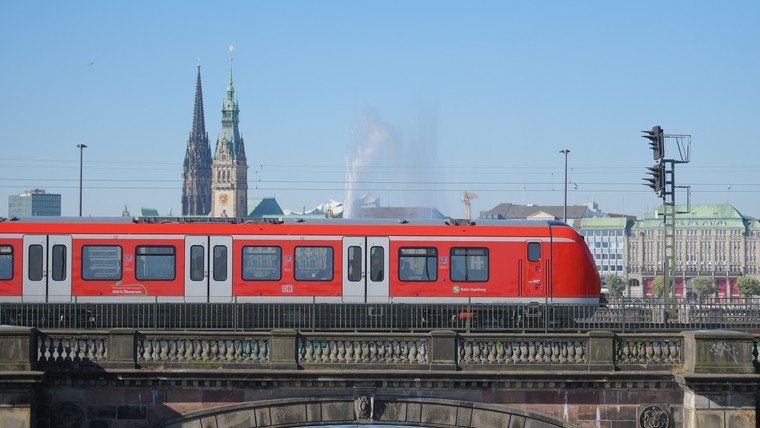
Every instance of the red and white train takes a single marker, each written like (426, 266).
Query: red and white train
(324, 260)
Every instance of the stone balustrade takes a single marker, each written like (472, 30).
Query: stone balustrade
(287, 349)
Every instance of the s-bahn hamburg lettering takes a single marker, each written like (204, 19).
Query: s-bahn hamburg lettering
(322, 261)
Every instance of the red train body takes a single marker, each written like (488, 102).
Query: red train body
(328, 261)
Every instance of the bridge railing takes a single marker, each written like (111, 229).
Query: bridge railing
(700, 351)
(619, 315)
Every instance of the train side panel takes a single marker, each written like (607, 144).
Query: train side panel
(130, 266)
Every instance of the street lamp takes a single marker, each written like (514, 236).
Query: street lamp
(564, 212)
(81, 154)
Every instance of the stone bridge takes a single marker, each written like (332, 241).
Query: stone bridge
(285, 378)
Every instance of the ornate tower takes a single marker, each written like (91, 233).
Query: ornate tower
(229, 171)
(196, 190)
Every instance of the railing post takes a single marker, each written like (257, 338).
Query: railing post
(443, 350)
(601, 351)
(283, 350)
(122, 348)
(718, 351)
(18, 348)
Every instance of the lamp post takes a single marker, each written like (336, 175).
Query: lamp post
(564, 212)
(81, 154)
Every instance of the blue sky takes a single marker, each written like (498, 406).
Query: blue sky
(444, 97)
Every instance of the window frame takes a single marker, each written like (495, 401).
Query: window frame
(252, 256)
(431, 254)
(483, 252)
(140, 259)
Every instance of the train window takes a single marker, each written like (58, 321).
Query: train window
(534, 251)
(220, 263)
(355, 264)
(197, 262)
(376, 263)
(101, 262)
(418, 264)
(155, 263)
(6, 262)
(35, 262)
(262, 263)
(469, 264)
(59, 262)
(314, 263)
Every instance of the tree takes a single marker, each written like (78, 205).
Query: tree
(703, 286)
(748, 286)
(615, 284)
(657, 286)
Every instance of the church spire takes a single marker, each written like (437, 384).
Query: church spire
(229, 174)
(199, 122)
(196, 189)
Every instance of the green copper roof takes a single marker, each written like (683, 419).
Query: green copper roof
(707, 216)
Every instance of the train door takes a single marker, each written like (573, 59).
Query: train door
(47, 268)
(208, 268)
(534, 273)
(365, 269)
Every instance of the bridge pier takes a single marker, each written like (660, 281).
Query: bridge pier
(128, 378)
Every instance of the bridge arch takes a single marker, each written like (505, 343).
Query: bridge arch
(362, 410)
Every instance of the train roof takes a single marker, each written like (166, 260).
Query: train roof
(281, 220)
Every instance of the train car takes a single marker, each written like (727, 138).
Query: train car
(59, 260)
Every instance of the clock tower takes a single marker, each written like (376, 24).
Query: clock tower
(229, 170)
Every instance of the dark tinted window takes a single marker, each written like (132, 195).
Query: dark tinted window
(35, 262)
(534, 251)
(155, 263)
(314, 263)
(197, 262)
(6, 262)
(354, 264)
(376, 263)
(59, 262)
(262, 263)
(101, 262)
(220, 263)
(418, 264)
(469, 264)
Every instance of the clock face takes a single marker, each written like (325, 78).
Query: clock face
(224, 199)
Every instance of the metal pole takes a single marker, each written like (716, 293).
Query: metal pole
(564, 212)
(81, 154)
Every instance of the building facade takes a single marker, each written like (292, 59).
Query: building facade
(196, 188)
(229, 170)
(606, 238)
(34, 202)
(713, 241)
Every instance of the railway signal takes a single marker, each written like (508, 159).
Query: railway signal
(656, 141)
(656, 179)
